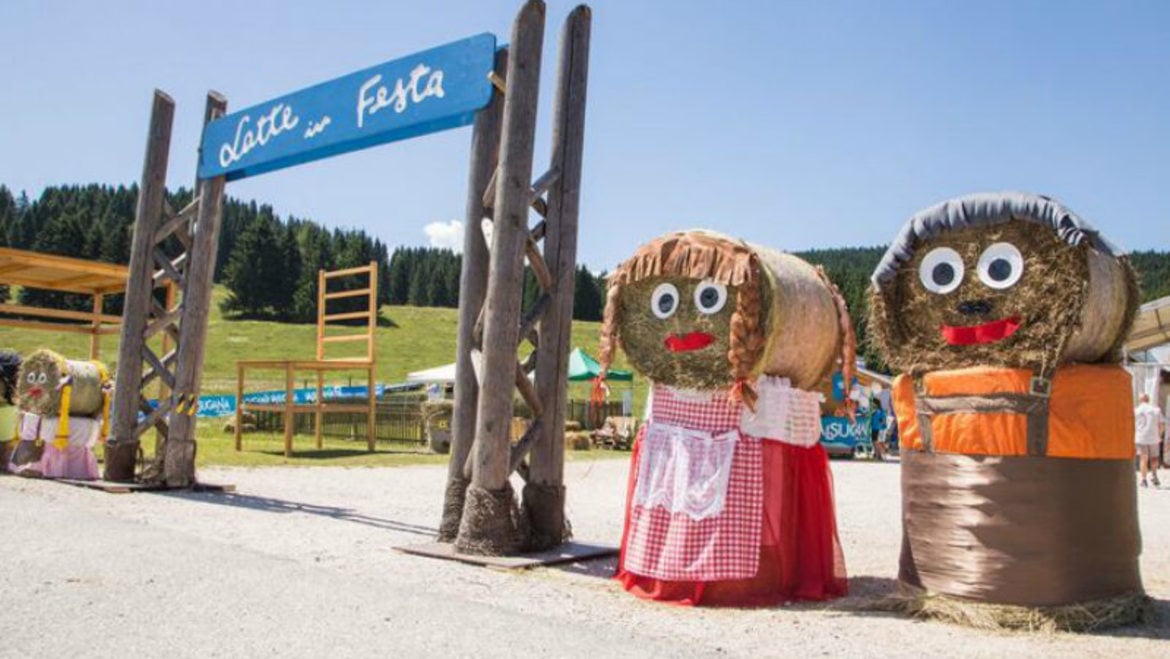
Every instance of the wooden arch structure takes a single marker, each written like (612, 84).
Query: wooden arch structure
(480, 512)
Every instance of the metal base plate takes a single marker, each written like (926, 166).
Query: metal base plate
(569, 552)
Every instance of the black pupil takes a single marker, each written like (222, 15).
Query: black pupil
(666, 303)
(943, 274)
(1000, 270)
(709, 298)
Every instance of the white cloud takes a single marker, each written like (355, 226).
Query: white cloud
(448, 235)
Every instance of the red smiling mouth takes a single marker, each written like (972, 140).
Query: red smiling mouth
(688, 342)
(996, 330)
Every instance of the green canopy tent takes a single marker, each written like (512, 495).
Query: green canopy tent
(583, 368)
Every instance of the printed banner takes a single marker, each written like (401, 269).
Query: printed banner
(839, 431)
(225, 405)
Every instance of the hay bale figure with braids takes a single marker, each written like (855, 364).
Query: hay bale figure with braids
(730, 498)
(64, 412)
(1006, 314)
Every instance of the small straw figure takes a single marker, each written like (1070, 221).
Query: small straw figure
(64, 412)
(730, 497)
(1006, 314)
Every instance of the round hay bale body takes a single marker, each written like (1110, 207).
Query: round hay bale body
(803, 326)
(779, 316)
(39, 385)
(1107, 313)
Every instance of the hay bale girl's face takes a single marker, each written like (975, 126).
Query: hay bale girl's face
(677, 331)
(36, 386)
(1003, 295)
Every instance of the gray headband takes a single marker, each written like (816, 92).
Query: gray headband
(986, 209)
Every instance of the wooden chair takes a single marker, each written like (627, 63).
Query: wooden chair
(322, 364)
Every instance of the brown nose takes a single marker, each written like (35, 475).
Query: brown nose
(974, 307)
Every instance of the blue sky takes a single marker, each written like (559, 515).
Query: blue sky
(795, 125)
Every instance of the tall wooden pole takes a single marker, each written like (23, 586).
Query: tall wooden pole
(485, 153)
(122, 447)
(178, 452)
(544, 495)
(488, 525)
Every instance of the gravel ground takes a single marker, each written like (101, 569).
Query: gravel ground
(300, 562)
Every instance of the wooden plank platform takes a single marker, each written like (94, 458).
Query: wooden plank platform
(112, 487)
(570, 552)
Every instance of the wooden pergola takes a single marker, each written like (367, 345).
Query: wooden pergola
(67, 275)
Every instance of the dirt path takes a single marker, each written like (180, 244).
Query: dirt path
(299, 562)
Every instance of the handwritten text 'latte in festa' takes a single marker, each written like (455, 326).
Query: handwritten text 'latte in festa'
(403, 93)
(372, 97)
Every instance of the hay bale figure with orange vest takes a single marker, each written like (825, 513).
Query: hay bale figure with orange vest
(1006, 314)
(64, 408)
(730, 497)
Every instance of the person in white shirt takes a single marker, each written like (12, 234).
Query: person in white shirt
(1147, 436)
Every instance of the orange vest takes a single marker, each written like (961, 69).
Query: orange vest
(1090, 413)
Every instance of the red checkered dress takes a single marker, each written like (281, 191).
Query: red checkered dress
(676, 546)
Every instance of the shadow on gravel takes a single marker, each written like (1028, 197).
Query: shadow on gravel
(269, 505)
(1155, 626)
(599, 568)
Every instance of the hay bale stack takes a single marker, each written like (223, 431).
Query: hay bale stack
(1005, 313)
(780, 316)
(578, 440)
(39, 387)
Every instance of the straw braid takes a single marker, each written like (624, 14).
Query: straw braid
(747, 339)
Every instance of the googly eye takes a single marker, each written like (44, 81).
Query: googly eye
(941, 270)
(31, 378)
(664, 301)
(710, 296)
(1000, 266)
(42, 378)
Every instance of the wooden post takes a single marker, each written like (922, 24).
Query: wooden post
(179, 448)
(239, 406)
(95, 346)
(318, 417)
(289, 385)
(488, 527)
(122, 446)
(371, 414)
(485, 150)
(371, 376)
(544, 495)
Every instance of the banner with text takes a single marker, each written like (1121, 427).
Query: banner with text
(225, 405)
(424, 93)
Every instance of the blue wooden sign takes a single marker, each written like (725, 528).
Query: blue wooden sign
(424, 93)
